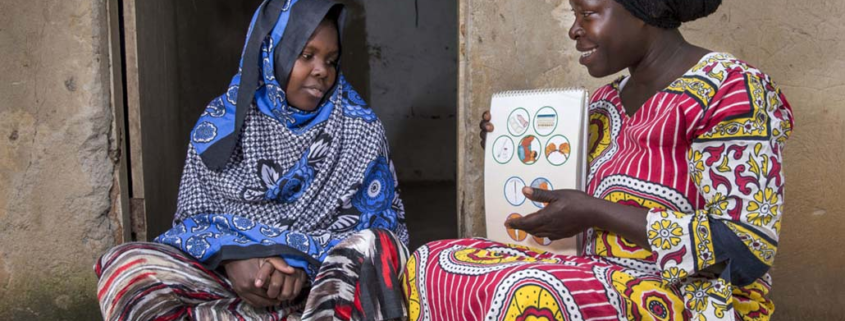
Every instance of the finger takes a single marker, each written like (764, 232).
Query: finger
(486, 115)
(300, 282)
(264, 273)
(287, 289)
(488, 127)
(257, 300)
(276, 283)
(539, 195)
(529, 223)
(280, 265)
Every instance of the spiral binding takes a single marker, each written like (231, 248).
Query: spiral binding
(541, 91)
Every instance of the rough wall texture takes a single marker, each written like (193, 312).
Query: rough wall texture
(56, 169)
(510, 44)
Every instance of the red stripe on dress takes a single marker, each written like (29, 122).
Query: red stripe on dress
(178, 314)
(343, 311)
(388, 261)
(116, 274)
(199, 295)
(233, 309)
(357, 302)
(122, 292)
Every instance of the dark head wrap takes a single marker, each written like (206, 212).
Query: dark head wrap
(669, 14)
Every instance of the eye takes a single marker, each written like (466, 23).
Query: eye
(583, 13)
(306, 56)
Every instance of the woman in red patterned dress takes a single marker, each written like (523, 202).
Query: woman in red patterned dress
(681, 217)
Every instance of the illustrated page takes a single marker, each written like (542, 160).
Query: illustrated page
(539, 140)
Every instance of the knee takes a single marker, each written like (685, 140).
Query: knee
(128, 255)
(367, 237)
(369, 242)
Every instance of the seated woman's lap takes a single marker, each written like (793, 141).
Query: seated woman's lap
(135, 277)
(142, 280)
(477, 279)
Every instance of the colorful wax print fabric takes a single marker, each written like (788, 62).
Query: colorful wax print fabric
(704, 156)
(152, 281)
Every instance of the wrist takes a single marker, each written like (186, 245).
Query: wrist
(600, 213)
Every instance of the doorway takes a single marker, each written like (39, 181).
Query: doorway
(400, 55)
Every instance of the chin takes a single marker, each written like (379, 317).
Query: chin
(304, 105)
(600, 72)
(595, 73)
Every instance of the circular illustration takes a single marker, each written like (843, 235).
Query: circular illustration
(558, 150)
(544, 184)
(544, 241)
(513, 191)
(518, 121)
(528, 149)
(545, 121)
(516, 235)
(503, 149)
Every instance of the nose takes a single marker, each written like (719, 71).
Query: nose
(575, 31)
(319, 70)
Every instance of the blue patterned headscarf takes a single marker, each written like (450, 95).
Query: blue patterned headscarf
(263, 178)
(261, 78)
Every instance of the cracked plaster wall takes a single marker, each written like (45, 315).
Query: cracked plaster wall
(56, 163)
(511, 44)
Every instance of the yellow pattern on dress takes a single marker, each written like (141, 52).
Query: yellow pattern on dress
(647, 300)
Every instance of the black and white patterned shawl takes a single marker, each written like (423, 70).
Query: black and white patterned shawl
(324, 175)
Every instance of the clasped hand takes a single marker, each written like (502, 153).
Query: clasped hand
(567, 212)
(264, 282)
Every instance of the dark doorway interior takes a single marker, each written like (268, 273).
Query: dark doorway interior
(401, 55)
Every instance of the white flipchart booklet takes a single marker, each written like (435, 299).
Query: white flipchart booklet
(540, 140)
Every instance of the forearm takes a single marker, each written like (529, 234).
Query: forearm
(627, 221)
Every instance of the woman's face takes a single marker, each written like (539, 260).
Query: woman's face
(315, 70)
(607, 35)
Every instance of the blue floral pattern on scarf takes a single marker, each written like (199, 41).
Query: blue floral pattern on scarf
(215, 109)
(376, 193)
(285, 188)
(204, 132)
(289, 187)
(384, 220)
(202, 236)
(353, 105)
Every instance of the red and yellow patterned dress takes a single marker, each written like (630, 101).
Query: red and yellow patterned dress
(705, 156)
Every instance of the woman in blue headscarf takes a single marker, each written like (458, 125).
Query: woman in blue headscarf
(288, 205)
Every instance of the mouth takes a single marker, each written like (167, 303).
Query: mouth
(586, 54)
(315, 91)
